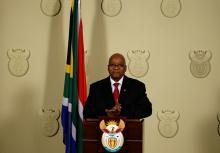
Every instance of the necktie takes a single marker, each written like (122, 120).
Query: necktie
(116, 93)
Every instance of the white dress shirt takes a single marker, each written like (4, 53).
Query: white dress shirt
(119, 86)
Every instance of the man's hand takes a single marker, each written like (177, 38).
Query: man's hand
(114, 111)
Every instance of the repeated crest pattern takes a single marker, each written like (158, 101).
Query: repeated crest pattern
(168, 125)
(50, 7)
(18, 64)
(218, 118)
(200, 65)
(50, 124)
(138, 62)
(111, 7)
(170, 8)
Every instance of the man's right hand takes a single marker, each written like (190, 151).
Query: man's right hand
(114, 111)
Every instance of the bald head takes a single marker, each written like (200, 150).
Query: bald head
(117, 55)
(117, 66)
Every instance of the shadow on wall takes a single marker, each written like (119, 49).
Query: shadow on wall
(97, 53)
(21, 123)
(55, 64)
(3, 54)
(209, 138)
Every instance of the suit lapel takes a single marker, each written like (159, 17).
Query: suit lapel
(108, 92)
(124, 90)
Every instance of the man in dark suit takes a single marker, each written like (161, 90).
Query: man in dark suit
(117, 94)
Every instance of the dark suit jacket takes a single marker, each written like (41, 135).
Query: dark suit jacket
(132, 98)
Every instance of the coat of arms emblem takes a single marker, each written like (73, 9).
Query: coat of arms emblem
(50, 124)
(50, 7)
(111, 7)
(112, 137)
(218, 117)
(138, 62)
(168, 126)
(200, 63)
(170, 8)
(18, 61)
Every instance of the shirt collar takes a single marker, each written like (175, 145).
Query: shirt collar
(120, 81)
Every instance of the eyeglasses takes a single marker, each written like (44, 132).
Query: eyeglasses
(116, 65)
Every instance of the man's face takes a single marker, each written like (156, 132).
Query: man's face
(116, 67)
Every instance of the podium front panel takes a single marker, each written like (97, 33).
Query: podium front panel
(133, 138)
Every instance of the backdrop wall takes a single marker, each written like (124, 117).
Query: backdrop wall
(173, 46)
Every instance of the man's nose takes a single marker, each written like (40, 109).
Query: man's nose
(116, 66)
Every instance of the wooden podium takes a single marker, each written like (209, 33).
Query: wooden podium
(132, 133)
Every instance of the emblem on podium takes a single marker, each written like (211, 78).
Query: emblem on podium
(112, 137)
